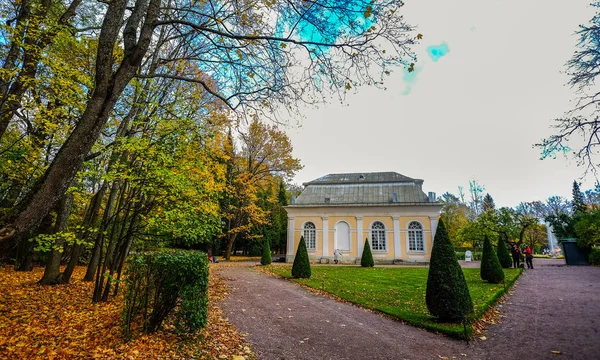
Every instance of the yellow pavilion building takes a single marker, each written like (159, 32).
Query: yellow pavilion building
(340, 211)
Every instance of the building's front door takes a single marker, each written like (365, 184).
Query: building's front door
(342, 232)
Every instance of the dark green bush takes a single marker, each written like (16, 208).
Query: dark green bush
(301, 267)
(447, 295)
(266, 253)
(157, 282)
(491, 270)
(594, 257)
(367, 256)
(503, 254)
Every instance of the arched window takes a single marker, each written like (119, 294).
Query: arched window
(415, 237)
(378, 236)
(310, 235)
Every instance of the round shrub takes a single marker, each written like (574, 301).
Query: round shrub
(503, 255)
(367, 256)
(447, 295)
(301, 267)
(491, 270)
(594, 257)
(266, 253)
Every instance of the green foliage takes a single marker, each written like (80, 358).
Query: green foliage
(594, 257)
(587, 229)
(301, 267)
(491, 270)
(367, 256)
(156, 281)
(266, 253)
(56, 241)
(503, 254)
(447, 295)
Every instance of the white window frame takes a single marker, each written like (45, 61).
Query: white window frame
(381, 233)
(307, 231)
(414, 233)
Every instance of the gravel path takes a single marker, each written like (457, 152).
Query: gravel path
(552, 309)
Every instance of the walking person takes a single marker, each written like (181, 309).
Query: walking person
(516, 256)
(336, 255)
(528, 256)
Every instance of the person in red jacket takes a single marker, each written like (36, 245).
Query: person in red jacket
(528, 256)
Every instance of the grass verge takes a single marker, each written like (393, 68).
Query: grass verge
(399, 292)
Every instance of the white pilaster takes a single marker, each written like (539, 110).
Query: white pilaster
(397, 253)
(359, 233)
(325, 235)
(290, 240)
(434, 221)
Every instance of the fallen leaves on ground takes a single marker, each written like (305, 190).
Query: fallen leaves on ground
(61, 322)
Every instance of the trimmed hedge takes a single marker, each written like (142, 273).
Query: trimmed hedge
(491, 270)
(157, 282)
(367, 256)
(266, 258)
(503, 255)
(460, 255)
(594, 257)
(301, 267)
(447, 295)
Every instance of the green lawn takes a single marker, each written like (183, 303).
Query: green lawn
(399, 292)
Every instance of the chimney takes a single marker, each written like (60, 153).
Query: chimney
(395, 197)
(431, 196)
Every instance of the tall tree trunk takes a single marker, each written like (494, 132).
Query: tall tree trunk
(115, 236)
(25, 261)
(230, 242)
(52, 275)
(35, 41)
(108, 87)
(89, 220)
(108, 211)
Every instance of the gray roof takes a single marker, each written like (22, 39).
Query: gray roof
(362, 189)
(362, 178)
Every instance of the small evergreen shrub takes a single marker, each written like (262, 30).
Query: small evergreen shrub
(157, 281)
(301, 266)
(503, 254)
(491, 270)
(367, 256)
(266, 253)
(594, 257)
(447, 295)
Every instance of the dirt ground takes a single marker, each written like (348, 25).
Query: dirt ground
(551, 313)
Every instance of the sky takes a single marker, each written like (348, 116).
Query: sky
(488, 82)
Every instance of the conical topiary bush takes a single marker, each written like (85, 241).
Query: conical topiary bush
(447, 295)
(266, 253)
(301, 267)
(367, 256)
(503, 255)
(491, 270)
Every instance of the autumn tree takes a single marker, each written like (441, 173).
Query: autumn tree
(262, 57)
(265, 152)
